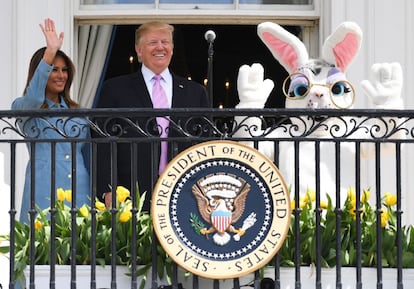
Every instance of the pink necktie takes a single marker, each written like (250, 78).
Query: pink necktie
(159, 100)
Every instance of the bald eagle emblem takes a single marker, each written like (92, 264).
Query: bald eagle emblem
(221, 200)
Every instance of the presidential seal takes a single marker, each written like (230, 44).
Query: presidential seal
(221, 209)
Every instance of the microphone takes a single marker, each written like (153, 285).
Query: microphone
(210, 35)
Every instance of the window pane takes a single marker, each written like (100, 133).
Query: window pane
(93, 2)
(294, 2)
(83, 2)
(196, 1)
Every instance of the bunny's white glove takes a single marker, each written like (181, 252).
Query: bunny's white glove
(384, 89)
(252, 89)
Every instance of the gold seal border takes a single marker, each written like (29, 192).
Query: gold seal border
(193, 262)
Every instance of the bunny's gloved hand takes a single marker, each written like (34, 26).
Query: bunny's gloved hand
(385, 86)
(252, 89)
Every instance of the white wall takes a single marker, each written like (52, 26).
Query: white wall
(21, 37)
(6, 34)
(388, 29)
(6, 50)
(388, 36)
(29, 36)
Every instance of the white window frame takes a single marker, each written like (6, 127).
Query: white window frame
(303, 15)
(306, 16)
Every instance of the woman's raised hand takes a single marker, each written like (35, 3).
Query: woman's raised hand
(53, 40)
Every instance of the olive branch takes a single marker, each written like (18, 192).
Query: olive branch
(196, 224)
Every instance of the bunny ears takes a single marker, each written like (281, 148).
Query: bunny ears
(340, 48)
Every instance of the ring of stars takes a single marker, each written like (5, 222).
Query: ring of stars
(232, 254)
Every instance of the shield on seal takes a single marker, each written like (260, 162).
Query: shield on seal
(221, 220)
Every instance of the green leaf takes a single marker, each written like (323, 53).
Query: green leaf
(408, 260)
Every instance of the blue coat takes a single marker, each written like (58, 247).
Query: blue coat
(40, 129)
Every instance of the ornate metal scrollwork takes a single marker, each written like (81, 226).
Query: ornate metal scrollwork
(199, 123)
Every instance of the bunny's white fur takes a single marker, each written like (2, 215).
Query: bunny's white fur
(338, 52)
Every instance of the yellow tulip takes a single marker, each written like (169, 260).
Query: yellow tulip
(351, 193)
(324, 205)
(353, 203)
(68, 195)
(122, 194)
(60, 194)
(38, 225)
(365, 196)
(302, 203)
(390, 200)
(310, 195)
(84, 211)
(125, 216)
(292, 205)
(384, 218)
(100, 206)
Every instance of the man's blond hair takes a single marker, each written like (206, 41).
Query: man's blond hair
(150, 26)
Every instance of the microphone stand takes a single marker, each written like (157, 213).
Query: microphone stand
(210, 73)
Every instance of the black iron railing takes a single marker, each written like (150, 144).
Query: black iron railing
(282, 134)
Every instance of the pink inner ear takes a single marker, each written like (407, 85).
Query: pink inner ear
(345, 51)
(282, 51)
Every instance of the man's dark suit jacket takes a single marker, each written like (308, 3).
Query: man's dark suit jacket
(130, 91)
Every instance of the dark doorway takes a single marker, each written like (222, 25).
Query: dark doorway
(234, 46)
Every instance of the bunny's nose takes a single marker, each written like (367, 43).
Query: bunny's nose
(318, 94)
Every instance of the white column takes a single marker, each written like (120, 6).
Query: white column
(21, 37)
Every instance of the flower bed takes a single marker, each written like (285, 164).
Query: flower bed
(368, 215)
(126, 218)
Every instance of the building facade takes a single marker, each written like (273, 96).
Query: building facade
(387, 26)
